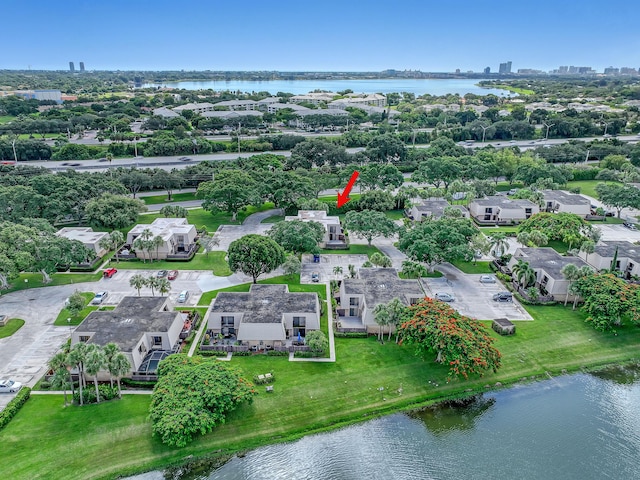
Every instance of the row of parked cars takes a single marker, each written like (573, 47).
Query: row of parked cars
(498, 297)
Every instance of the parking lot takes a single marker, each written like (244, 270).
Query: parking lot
(327, 264)
(475, 299)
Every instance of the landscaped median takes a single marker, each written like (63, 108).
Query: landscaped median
(116, 436)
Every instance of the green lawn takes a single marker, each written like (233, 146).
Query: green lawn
(11, 327)
(588, 187)
(176, 197)
(64, 314)
(491, 230)
(395, 214)
(202, 218)
(273, 219)
(6, 118)
(34, 280)
(356, 249)
(214, 261)
(116, 436)
(559, 246)
(470, 267)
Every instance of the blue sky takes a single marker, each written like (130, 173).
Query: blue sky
(318, 36)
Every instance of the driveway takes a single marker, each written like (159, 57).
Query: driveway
(618, 232)
(327, 264)
(228, 233)
(472, 298)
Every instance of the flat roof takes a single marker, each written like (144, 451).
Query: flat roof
(564, 197)
(502, 202)
(547, 259)
(607, 248)
(133, 317)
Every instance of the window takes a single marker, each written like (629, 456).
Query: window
(353, 301)
(227, 321)
(84, 338)
(413, 301)
(332, 229)
(299, 321)
(157, 341)
(488, 210)
(544, 281)
(142, 348)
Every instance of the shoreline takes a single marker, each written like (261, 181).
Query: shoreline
(194, 464)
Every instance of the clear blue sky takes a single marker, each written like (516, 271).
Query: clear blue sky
(330, 35)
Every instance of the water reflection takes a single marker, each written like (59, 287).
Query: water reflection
(620, 374)
(454, 415)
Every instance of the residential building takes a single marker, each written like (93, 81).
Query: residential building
(264, 318)
(265, 102)
(626, 254)
(165, 112)
(198, 108)
(363, 99)
(359, 296)
(432, 208)
(313, 97)
(54, 95)
(559, 201)
(72, 67)
(146, 329)
(548, 265)
(238, 104)
(179, 238)
(232, 114)
(302, 114)
(505, 68)
(344, 103)
(334, 237)
(86, 236)
(81, 66)
(501, 210)
(275, 107)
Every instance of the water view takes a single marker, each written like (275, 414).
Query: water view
(580, 426)
(383, 85)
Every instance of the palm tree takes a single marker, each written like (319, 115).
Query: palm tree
(570, 272)
(112, 241)
(164, 286)
(412, 269)
(337, 270)
(538, 238)
(144, 243)
(77, 358)
(396, 311)
(156, 243)
(95, 362)
(499, 244)
(524, 273)
(588, 247)
(583, 272)
(152, 283)
(120, 366)
(110, 350)
(140, 245)
(524, 239)
(60, 378)
(380, 260)
(137, 281)
(382, 317)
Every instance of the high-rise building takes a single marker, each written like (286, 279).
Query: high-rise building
(72, 68)
(509, 66)
(82, 66)
(487, 70)
(505, 67)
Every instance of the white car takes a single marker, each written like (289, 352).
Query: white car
(99, 298)
(444, 297)
(487, 279)
(9, 386)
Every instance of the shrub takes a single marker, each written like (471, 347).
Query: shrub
(303, 355)
(277, 353)
(350, 334)
(14, 406)
(212, 353)
(138, 383)
(242, 354)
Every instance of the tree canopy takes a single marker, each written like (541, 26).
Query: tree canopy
(458, 341)
(297, 236)
(369, 224)
(113, 211)
(254, 255)
(192, 396)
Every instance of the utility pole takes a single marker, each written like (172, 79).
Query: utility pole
(546, 137)
(239, 127)
(484, 131)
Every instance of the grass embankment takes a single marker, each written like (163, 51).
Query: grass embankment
(11, 327)
(116, 436)
(6, 118)
(518, 90)
(273, 219)
(176, 197)
(64, 314)
(472, 268)
(214, 261)
(34, 280)
(354, 249)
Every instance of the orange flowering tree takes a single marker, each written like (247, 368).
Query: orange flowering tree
(464, 344)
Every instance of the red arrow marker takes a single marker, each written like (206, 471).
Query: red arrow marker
(344, 196)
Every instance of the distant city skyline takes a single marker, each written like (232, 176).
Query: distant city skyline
(336, 36)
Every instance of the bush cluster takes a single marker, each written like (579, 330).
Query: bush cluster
(89, 394)
(212, 353)
(14, 406)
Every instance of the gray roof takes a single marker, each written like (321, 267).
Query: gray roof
(547, 259)
(133, 317)
(232, 113)
(321, 111)
(265, 303)
(626, 249)
(436, 207)
(502, 202)
(231, 103)
(381, 285)
(564, 197)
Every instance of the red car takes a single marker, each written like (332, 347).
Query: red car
(172, 274)
(109, 272)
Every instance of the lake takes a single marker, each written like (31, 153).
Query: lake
(383, 85)
(572, 427)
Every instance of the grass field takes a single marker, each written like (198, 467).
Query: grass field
(6, 118)
(214, 261)
(470, 267)
(34, 280)
(64, 314)
(176, 197)
(588, 187)
(11, 327)
(273, 219)
(395, 214)
(357, 249)
(115, 437)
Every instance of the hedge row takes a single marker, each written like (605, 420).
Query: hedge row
(14, 406)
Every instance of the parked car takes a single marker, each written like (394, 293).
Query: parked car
(162, 273)
(173, 274)
(503, 297)
(444, 297)
(630, 226)
(487, 279)
(109, 272)
(9, 386)
(315, 277)
(183, 296)
(99, 298)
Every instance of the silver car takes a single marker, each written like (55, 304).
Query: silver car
(99, 298)
(444, 297)
(9, 386)
(487, 279)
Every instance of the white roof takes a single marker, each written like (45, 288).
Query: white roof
(85, 235)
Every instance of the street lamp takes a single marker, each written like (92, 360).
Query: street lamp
(484, 131)
(606, 125)
(239, 127)
(548, 127)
